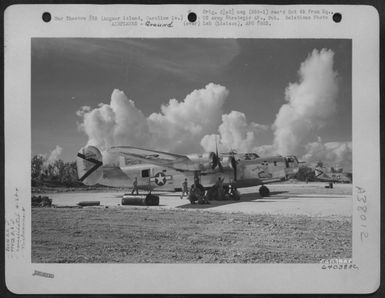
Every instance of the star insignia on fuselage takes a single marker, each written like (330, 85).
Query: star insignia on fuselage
(160, 179)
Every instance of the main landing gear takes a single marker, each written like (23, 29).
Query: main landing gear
(264, 191)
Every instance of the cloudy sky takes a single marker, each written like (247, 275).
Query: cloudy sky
(278, 96)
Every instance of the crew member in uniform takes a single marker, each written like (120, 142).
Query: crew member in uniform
(197, 193)
(135, 186)
(221, 192)
(184, 188)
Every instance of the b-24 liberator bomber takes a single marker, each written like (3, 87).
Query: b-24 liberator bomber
(157, 170)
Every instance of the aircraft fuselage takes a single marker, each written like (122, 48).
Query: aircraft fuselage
(249, 173)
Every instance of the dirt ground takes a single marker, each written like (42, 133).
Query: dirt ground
(287, 199)
(298, 223)
(145, 235)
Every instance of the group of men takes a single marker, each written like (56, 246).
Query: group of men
(218, 192)
(198, 194)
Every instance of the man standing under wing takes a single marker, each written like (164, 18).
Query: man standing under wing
(184, 188)
(135, 186)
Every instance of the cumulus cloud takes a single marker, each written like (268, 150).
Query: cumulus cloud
(114, 124)
(235, 133)
(53, 156)
(310, 103)
(332, 154)
(181, 125)
(50, 158)
(178, 127)
(198, 121)
(83, 110)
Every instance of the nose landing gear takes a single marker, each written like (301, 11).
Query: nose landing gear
(264, 191)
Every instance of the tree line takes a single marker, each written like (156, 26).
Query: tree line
(306, 173)
(59, 173)
(55, 173)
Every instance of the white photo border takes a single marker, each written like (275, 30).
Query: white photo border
(360, 24)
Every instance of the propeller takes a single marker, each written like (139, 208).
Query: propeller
(215, 160)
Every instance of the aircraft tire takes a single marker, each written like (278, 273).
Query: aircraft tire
(264, 191)
(192, 198)
(151, 200)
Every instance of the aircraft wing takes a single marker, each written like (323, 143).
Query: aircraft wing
(151, 156)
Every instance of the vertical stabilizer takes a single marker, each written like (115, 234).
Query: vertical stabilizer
(89, 165)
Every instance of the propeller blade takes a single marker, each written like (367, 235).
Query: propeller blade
(234, 166)
(218, 160)
(214, 160)
(216, 148)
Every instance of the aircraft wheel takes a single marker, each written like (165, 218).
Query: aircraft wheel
(264, 191)
(192, 198)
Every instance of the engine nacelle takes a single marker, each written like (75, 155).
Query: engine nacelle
(89, 164)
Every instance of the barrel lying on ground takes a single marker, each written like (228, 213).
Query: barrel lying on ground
(89, 203)
(148, 200)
